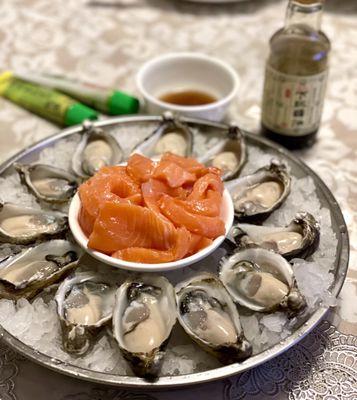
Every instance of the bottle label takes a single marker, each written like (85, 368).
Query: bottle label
(40, 100)
(292, 105)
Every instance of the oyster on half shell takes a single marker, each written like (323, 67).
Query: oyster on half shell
(208, 315)
(24, 225)
(28, 272)
(171, 136)
(229, 154)
(261, 280)
(85, 303)
(47, 183)
(144, 315)
(298, 239)
(96, 149)
(256, 196)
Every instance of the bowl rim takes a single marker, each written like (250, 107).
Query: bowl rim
(193, 56)
(82, 239)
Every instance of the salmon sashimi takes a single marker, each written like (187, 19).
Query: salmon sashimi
(198, 243)
(211, 227)
(119, 226)
(143, 255)
(174, 175)
(203, 243)
(111, 184)
(191, 165)
(152, 212)
(153, 189)
(140, 168)
(187, 163)
(210, 206)
(152, 256)
(202, 185)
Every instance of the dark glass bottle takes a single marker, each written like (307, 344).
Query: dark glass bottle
(296, 76)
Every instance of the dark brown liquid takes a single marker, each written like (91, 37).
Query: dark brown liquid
(303, 52)
(290, 142)
(188, 98)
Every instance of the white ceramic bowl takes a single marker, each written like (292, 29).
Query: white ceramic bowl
(227, 214)
(188, 71)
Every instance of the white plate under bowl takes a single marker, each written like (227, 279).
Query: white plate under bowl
(227, 215)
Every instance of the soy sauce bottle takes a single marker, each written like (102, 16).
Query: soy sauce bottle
(296, 76)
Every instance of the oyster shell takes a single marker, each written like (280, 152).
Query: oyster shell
(256, 196)
(23, 225)
(208, 315)
(261, 280)
(28, 272)
(85, 303)
(229, 154)
(298, 239)
(47, 183)
(96, 149)
(144, 315)
(171, 136)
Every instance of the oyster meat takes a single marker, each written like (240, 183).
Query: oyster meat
(96, 149)
(85, 303)
(229, 155)
(208, 315)
(256, 196)
(261, 280)
(171, 136)
(299, 239)
(47, 183)
(28, 272)
(144, 315)
(23, 225)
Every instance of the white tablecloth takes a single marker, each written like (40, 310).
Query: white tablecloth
(106, 42)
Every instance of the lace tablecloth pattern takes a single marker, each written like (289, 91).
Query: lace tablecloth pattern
(106, 42)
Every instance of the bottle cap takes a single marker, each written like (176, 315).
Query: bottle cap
(121, 103)
(77, 113)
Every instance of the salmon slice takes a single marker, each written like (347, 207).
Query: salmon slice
(198, 243)
(191, 165)
(214, 170)
(174, 175)
(203, 243)
(111, 184)
(207, 182)
(153, 256)
(140, 168)
(119, 226)
(143, 255)
(86, 221)
(187, 163)
(210, 227)
(211, 206)
(153, 189)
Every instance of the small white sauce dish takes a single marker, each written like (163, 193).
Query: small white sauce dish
(227, 214)
(176, 72)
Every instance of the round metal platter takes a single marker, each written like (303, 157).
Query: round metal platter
(299, 169)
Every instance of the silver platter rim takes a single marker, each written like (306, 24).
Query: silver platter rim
(341, 265)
